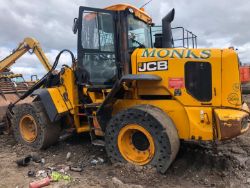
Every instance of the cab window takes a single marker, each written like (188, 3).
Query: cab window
(138, 33)
(98, 31)
(98, 59)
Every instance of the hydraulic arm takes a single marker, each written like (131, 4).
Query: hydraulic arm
(28, 45)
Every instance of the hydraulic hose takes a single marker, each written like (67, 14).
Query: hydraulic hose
(44, 78)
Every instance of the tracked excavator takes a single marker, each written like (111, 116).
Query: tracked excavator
(136, 96)
(12, 85)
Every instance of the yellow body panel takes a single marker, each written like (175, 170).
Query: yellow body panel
(200, 122)
(65, 99)
(58, 99)
(67, 78)
(196, 118)
(148, 88)
(176, 61)
(171, 107)
(193, 119)
(231, 85)
(139, 13)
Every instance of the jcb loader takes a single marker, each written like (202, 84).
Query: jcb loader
(140, 98)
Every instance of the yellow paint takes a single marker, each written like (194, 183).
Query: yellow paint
(58, 99)
(171, 107)
(176, 70)
(26, 45)
(231, 87)
(84, 128)
(230, 114)
(149, 88)
(139, 13)
(192, 118)
(65, 98)
(68, 78)
(127, 148)
(70, 86)
(96, 97)
(28, 128)
(200, 122)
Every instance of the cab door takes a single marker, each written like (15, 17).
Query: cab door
(97, 44)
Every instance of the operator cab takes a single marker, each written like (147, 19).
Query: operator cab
(106, 39)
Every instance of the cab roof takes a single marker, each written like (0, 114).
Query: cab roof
(139, 13)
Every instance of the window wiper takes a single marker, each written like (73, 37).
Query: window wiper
(140, 44)
(132, 37)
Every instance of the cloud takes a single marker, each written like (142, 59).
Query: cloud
(51, 21)
(30, 65)
(217, 23)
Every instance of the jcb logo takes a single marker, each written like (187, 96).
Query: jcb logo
(152, 66)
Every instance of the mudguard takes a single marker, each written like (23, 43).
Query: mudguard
(53, 102)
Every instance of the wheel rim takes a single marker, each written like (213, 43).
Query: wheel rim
(136, 144)
(28, 128)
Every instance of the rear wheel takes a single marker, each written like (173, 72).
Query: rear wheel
(136, 144)
(142, 135)
(32, 127)
(28, 128)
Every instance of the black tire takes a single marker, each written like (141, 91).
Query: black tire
(47, 133)
(157, 123)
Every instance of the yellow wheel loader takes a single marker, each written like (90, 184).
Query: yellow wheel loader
(12, 86)
(138, 97)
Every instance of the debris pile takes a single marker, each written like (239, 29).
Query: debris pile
(75, 162)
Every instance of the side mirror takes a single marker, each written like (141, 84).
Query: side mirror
(75, 25)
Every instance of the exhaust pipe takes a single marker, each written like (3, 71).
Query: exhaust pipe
(167, 41)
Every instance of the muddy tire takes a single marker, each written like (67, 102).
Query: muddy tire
(32, 127)
(142, 135)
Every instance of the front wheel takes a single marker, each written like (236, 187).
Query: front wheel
(32, 127)
(142, 135)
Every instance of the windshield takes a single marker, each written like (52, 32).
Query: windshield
(138, 33)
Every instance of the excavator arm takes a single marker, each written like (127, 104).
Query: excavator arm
(28, 44)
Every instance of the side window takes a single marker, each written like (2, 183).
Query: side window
(97, 31)
(198, 80)
(106, 31)
(90, 36)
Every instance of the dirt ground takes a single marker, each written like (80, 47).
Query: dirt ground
(224, 164)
